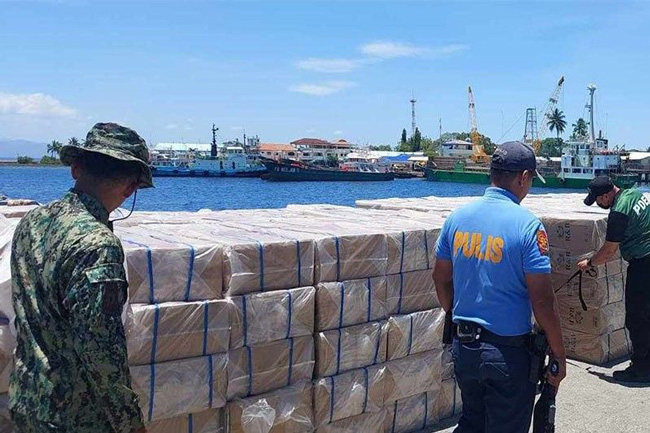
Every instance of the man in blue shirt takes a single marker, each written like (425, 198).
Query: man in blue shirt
(492, 271)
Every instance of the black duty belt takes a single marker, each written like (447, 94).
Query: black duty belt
(469, 332)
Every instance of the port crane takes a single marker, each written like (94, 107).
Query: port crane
(479, 155)
(550, 106)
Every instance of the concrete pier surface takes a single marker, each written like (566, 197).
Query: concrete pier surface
(590, 402)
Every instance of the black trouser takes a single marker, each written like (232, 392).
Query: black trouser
(637, 310)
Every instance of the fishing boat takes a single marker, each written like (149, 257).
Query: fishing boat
(286, 170)
(581, 161)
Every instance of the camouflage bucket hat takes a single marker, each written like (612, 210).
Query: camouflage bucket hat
(116, 141)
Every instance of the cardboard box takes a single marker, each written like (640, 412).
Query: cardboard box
(208, 421)
(596, 322)
(596, 292)
(347, 303)
(412, 375)
(410, 291)
(415, 333)
(597, 349)
(365, 423)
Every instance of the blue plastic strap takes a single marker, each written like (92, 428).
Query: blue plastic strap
(245, 319)
(453, 411)
(152, 299)
(401, 292)
(332, 399)
(426, 409)
(250, 371)
(152, 387)
(4, 321)
(190, 272)
(338, 260)
(210, 383)
(299, 263)
(378, 342)
(410, 334)
(401, 262)
(290, 374)
(154, 341)
(392, 429)
(426, 249)
(365, 400)
(206, 319)
(261, 266)
(338, 353)
(190, 423)
(341, 306)
(290, 310)
(369, 300)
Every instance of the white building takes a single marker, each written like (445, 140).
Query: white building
(312, 149)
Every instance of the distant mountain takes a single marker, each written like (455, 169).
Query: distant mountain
(11, 148)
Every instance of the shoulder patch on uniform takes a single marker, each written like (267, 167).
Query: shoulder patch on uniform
(113, 301)
(542, 242)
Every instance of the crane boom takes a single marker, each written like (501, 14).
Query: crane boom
(550, 106)
(479, 155)
(473, 124)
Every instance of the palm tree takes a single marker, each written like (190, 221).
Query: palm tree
(74, 141)
(579, 129)
(556, 122)
(54, 148)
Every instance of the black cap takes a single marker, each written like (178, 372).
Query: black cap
(515, 156)
(598, 186)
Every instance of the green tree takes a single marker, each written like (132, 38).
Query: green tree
(25, 160)
(50, 160)
(430, 147)
(580, 130)
(403, 139)
(381, 147)
(54, 148)
(416, 141)
(555, 121)
(74, 141)
(332, 160)
(551, 147)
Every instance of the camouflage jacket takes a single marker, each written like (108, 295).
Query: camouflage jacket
(69, 289)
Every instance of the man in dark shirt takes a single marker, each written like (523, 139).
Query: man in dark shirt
(628, 229)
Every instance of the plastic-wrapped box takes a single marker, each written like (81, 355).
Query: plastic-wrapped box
(259, 369)
(207, 421)
(415, 333)
(413, 413)
(173, 388)
(596, 322)
(170, 268)
(6, 425)
(345, 349)
(287, 410)
(412, 375)
(447, 363)
(410, 291)
(347, 303)
(349, 394)
(270, 316)
(254, 265)
(596, 292)
(411, 250)
(351, 257)
(597, 349)
(7, 344)
(566, 262)
(448, 401)
(177, 330)
(365, 423)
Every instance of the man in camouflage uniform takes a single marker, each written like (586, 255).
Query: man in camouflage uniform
(69, 288)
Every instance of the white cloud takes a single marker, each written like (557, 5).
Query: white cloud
(171, 126)
(447, 50)
(391, 50)
(35, 104)
(323, 89)
(332, 66)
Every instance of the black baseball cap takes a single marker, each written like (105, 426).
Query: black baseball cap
(598, 186)
(515, 156)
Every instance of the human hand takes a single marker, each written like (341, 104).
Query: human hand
(583, 265)
(554, 378)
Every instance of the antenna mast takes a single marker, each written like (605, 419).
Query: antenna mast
(590, 107)
(413, 101)
(213, 149)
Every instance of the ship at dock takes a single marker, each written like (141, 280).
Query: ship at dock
(229, 161)
(286, 170)
(581, 160)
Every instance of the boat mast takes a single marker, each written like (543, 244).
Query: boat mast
(213, 149)
(590, 106)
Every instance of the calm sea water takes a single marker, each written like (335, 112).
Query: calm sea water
(191, 194)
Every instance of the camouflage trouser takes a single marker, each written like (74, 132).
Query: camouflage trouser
(27, 424)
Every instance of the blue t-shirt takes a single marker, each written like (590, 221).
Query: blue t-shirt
(492, 243)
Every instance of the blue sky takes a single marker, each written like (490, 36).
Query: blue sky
(285, 70)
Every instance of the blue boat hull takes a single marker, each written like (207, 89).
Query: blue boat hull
(186, 172)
